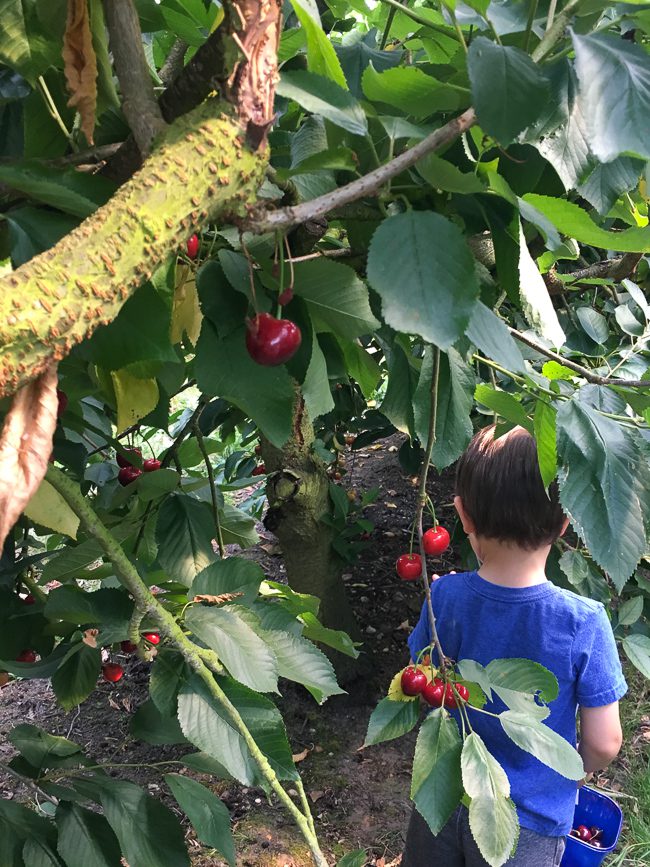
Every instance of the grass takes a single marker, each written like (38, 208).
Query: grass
(632, 774)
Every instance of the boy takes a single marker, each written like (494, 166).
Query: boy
(508, 608)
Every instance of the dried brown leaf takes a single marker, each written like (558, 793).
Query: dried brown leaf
(90, 637)
(216, 600)
(80, 65)
(26, 446)
(301, 756)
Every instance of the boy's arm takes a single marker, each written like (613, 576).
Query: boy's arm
(600, 736)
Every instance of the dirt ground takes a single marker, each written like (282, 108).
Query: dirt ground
(359, 799)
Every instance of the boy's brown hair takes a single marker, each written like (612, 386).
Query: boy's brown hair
(502, 490)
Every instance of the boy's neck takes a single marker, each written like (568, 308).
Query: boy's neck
(511, 566)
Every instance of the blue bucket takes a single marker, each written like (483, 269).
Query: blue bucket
(593, 809)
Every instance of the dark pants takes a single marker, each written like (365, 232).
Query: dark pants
(454, 846)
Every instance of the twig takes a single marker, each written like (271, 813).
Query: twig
(578, 368)
(422, 501)
(139, 101)
(555, 31)
(617, 269)
(368, 185)
(144, 598)
(338, 253)
(398, 7)
(29, 783)
(213, 490)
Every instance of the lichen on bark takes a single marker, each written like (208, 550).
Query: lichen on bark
(203, 169)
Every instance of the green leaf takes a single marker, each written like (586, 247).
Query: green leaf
(359, 858)
(455, 401)
(152, 486)
(24, 46)
(85, 838)
(584, 576)
(39, 853)
(76, 677)
(637, 650)
(523, 675)
(321, 96)
(545, 440)
(614, 77)
(600, 468)
(40, 747)
(572, 220)
(411, 90)
(47, 507)
(246, 656)
(405, 251)
(630, 611)
(482, 773)
(495, 827)
(436, 785)
(508, 88)
(266, 394)
(503, 403)
(335, 297)
(536, 303)
(147, 830)
(391, 719)
(202, 722)
(593, 323)
(356, 57)
(148, 724)
(443, 175)
(233, 575)
(543, 743)
(608, 181)
(335, 638)
(315, 388)
(166, 677)
(184, 532)
(361, 366)
(209, 816)
(69, 191)
(321, 56)
(491, 336)
(397, 404)
(106, 607)
(237, 527)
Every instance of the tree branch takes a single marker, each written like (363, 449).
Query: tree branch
(368, 185)
(174, 63)
(617, 269)
(594, 378)
(138, 99)
(555, 31)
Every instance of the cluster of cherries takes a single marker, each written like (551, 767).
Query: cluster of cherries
(128, 473)
(113, 671)
(592, 835)
(435, 541)
(415, 682)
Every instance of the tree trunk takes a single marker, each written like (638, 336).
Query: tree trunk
(298, 496)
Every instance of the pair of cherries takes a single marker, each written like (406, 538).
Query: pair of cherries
(414, 682)
(435, 542)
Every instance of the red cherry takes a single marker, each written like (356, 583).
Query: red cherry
(29, 600)
(409, 567)
(286, 296)
(127, 475)
(260, 470)
(63, 402)
(413, 681)
(435, 540)
(271, 341)
(193, 246)
(584, 833)
(112, 672)
(595, 831)
(151, 465)
(365, 536)
(124, 461)
(128, 647)
(462, 691)
(433, 693)
(151, 637)
(26, 656)
(450, 698)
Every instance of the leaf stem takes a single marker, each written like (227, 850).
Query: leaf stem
(213, 490)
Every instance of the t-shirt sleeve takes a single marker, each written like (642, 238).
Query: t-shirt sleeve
(599, 676)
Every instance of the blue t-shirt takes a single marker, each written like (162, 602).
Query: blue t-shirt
(566, 633)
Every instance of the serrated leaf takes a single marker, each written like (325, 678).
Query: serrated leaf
(614, 77)
(495, 827)
(391, 719)
(207, 813)
(166, 678)
(232, 575)
(184, 532)
(321, 56)
(593, 323)
(545, 440)
(443, 175)
(247, 657)
(607, 181)
(523, 675)
(637, 650)
(542, 742)
(535, 300)
(630, 611)
(491, 336)
(39, 746)
(504, 404)
(76, 677)
(322, 96)
(148, 724)
(483, 776)
(508, 89)
(405, 251)
(85, 838)
(411, 90)
(135, 397)
(436, 785)
(48, 508)
(599, 463)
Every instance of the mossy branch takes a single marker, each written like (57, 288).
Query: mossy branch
(203, 169)
(147, 603)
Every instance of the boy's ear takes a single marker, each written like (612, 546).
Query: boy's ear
(465, 520)
(564, 527)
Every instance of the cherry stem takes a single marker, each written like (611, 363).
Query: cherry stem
(251, 272)
(432, 510)
(280, 252)
(422, 501)
(411, 539)
(213, 491)
(290, 261)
